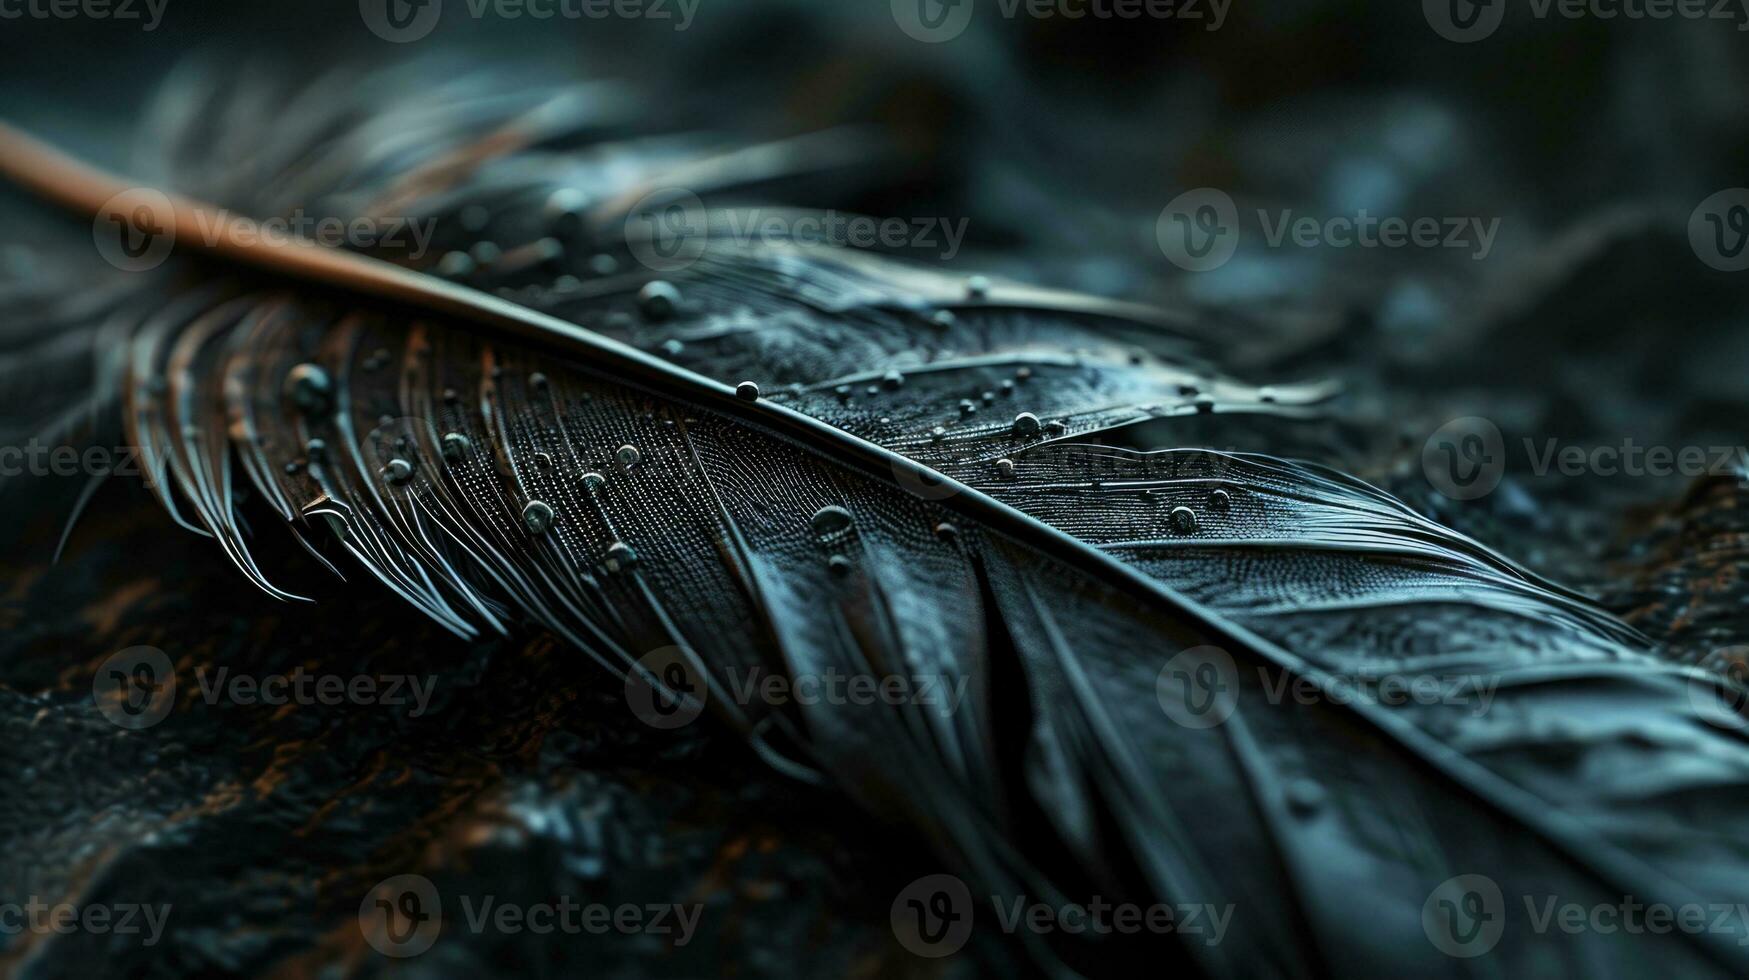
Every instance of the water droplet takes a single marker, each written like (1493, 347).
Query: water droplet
(1188, 390)
(543, 460)
(455, 265)
(839, 565)
(485, 253)
(398, 471)
(537, 516)
(892, 380)
(538, 381)
(1266, 394)
(937, 434)
(564, 211)
(747, 391)
(294, 467)
(1304, 796)
(316, 450)
(672, 347)
(831, 521)
(943, 319)
(627, 456)
(451, 396)
(977, 287)
(968, 407)
(593, 481)
(1026, 426)
(1205, 405)
(603, 264)
(1008, 387)
(842, 391)
(658, 300)
(456, 446)
(1220, 500)
(1022, 374)
(1183, 519)
(946, 531)
(310, 388)
(1056, 427)
(1005, 468)
(474, 217)
(620, 557)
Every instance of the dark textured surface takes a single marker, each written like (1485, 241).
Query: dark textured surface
(264, 828)
(533, 778)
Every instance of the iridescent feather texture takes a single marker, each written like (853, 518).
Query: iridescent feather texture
(801, 460)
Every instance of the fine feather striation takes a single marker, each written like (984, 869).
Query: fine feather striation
(477, 475)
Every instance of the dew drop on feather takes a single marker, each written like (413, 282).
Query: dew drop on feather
(831, 521)
(537, 516)
(310, 388)
(658, 300)
(620, 557)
